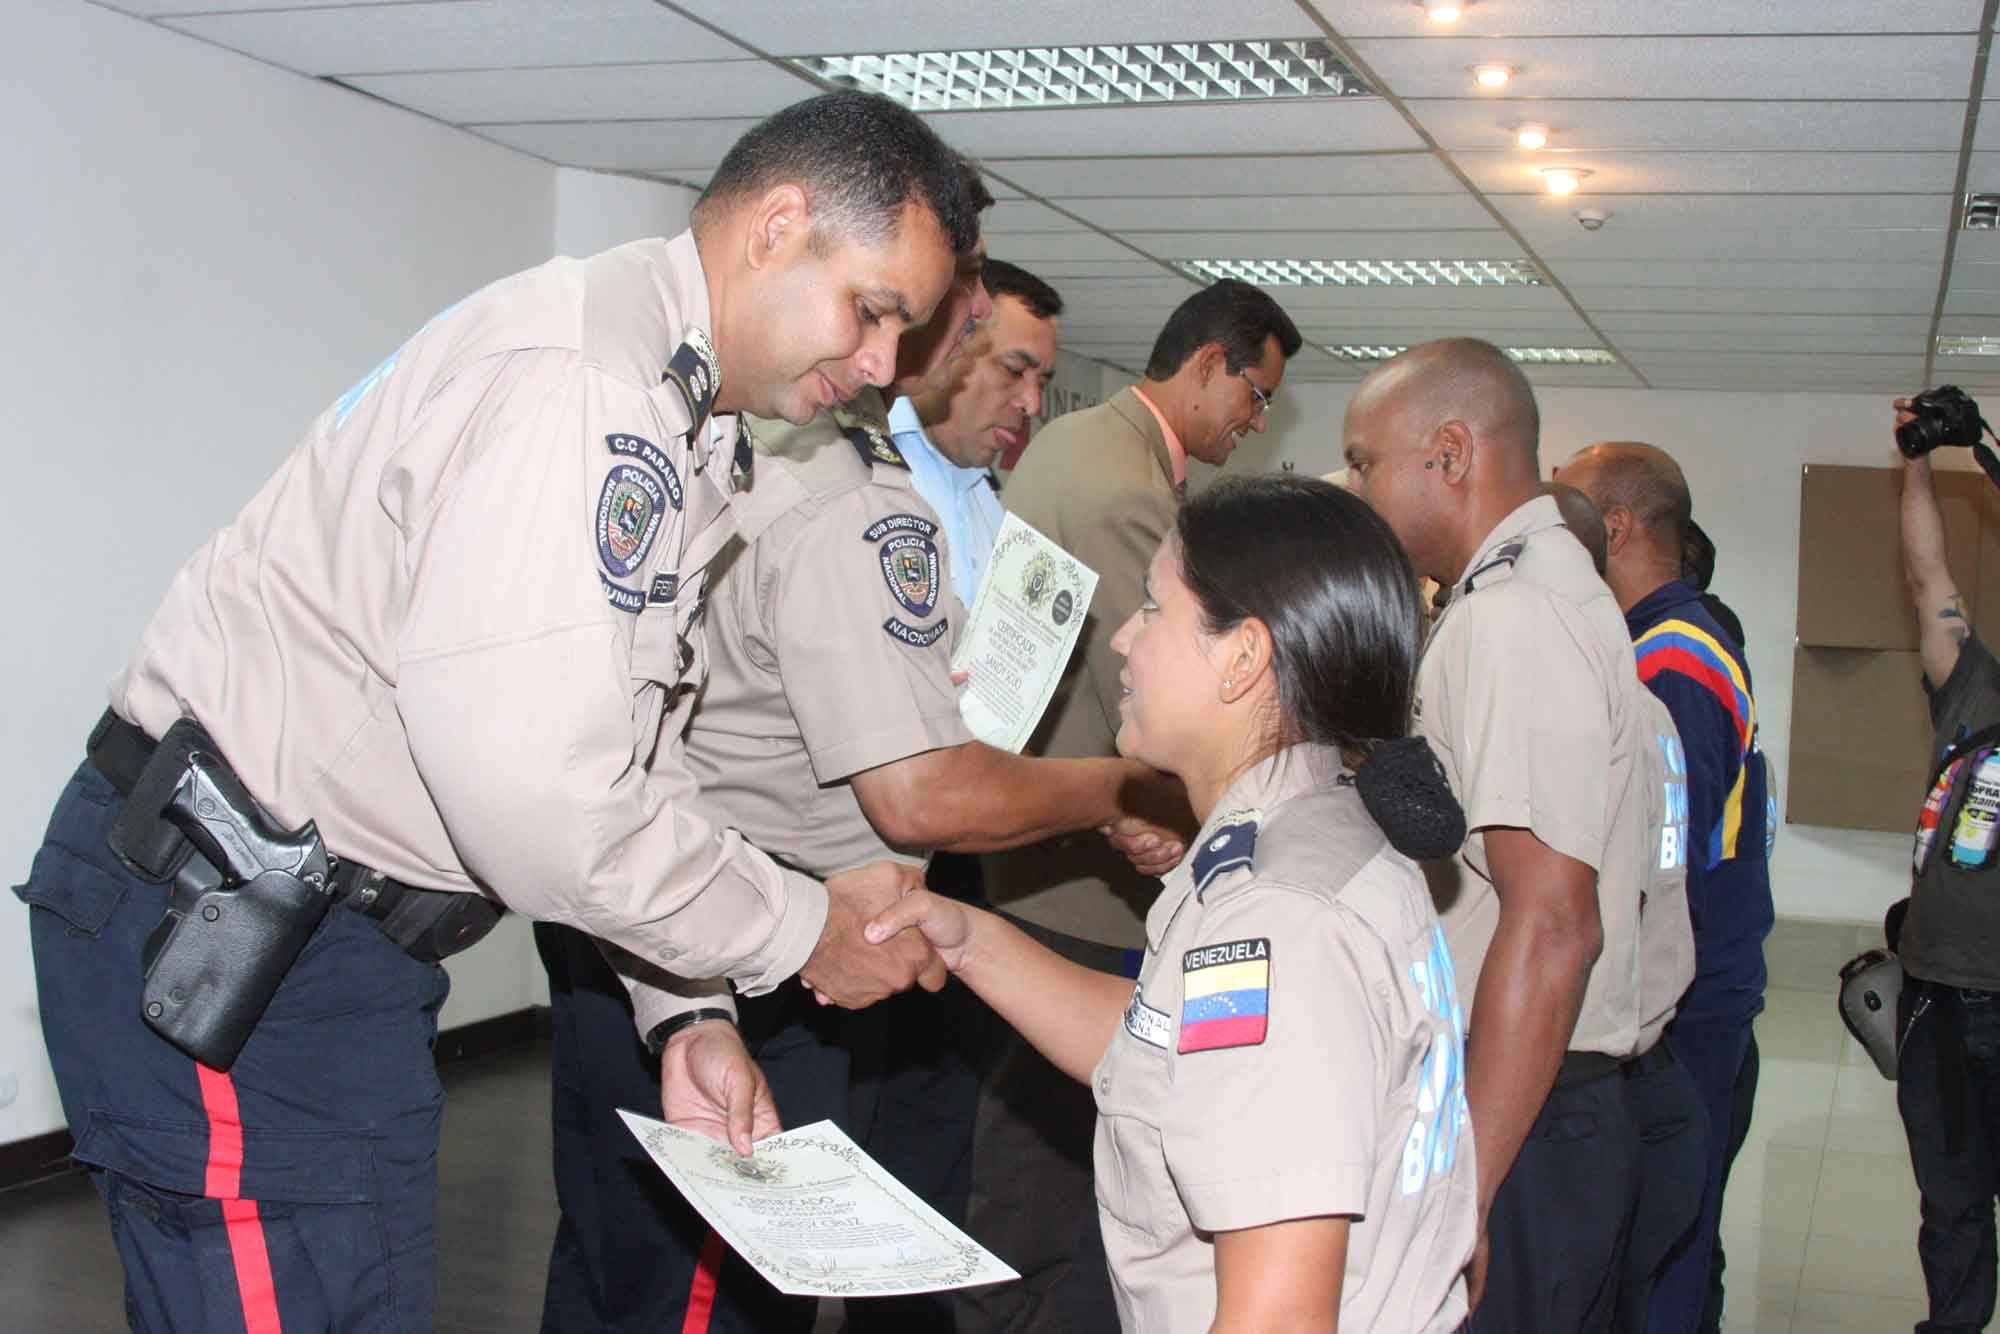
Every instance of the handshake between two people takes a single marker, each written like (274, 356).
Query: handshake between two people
(884, 933)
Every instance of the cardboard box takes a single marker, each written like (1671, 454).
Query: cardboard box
(1861, 739)
(1851, 588)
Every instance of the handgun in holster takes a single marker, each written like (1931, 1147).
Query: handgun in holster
(245, 899)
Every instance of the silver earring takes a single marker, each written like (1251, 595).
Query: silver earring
(1229, 683)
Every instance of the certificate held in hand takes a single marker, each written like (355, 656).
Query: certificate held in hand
(1023, 626)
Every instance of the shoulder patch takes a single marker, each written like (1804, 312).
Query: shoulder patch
(650, 454)
(1225, 995)
(910, 565)
(898, 523)
(622, 598)
(1503, 559)
(914, 637)
(630, 509)
(694, 371)
(1231, 847)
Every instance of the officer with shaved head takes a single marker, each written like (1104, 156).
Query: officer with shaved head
(1528, 694)
(1696, 667)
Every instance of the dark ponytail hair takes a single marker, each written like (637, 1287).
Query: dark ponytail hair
(1322, 570)
(1328, 578)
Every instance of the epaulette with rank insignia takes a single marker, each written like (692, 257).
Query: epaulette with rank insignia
(1503, 559)
(1231, 847)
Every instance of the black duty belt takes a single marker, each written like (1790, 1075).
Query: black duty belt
(428, 924)
(1580, 1067)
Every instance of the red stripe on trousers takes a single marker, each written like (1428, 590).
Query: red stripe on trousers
(245, 1230)
(701, 1292)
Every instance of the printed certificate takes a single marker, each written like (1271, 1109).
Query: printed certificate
(1018, 640)
(817, 1216)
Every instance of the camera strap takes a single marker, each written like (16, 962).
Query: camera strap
(1982, 451)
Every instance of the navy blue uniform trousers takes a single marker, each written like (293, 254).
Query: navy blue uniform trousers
(296, 1191)
(1948, 1090)
(630, 1255)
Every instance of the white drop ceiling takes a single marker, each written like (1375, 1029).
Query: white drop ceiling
(1780, 175)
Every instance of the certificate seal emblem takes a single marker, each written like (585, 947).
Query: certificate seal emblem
(1064, 605)
(1038, 581)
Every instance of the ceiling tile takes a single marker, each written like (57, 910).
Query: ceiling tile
(1301, 125)
(1370, 18)
(1862, 68)
(1028, 248)
(1564, 240)
(1911, 299)
(856, 26)
(462, 34)
(1869, 338)
(1512, 173)
(1491, 243)
(589, 93)
(1205, 177)
(1289, 212)
(1738, 327)
(672, 146)
(1683, 273)
(1616, 126)
(1702, 212)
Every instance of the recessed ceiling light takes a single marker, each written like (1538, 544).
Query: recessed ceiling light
(1443, 11)
(1533, 356)
(1368, 272)
(1492, 76)
(1094, 76)
(1532, 136)
(1563, 180)
(1982, 212)
(1980, 345)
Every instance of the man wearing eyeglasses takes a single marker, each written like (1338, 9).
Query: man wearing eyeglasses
(1104, 483)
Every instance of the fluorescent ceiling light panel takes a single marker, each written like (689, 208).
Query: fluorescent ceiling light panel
(1095, 76)
(1368, 272)
(1981, 345)
(1532, 356)
(1982, 212)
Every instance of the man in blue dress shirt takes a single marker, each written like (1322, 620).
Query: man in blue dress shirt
(979, 405)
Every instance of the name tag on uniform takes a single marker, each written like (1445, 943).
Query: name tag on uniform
(1152, 1027)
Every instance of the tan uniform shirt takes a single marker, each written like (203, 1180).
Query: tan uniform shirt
(1294, 1049)
(1529, 695)
(1099, 483)
(1666, 930)
(457, 629)
(830, 639)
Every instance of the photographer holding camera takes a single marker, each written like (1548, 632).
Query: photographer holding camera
(1948, 1020)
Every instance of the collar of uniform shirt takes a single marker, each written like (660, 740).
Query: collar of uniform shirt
(1176, 451)
(1530, 517)
(922, 455)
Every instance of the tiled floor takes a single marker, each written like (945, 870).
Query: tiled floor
(1820, 1221)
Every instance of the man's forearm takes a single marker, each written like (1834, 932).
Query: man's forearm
(995, 800)
(1924, 560)
(1530, 993)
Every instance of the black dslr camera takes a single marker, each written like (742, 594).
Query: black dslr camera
(1945, 415)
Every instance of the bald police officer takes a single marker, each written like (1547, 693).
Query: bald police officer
(456, 637)
(1527, 692)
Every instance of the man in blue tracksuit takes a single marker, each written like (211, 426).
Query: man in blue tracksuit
(1697, 670)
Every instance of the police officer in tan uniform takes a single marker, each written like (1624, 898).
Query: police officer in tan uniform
(829, 734)
(459, 633)
(1529, 695)
(1282, 1139)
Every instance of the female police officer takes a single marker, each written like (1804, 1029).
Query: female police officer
(1282, 1135)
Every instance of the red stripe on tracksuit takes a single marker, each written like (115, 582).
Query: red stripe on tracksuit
(701, 1292)
(245, 1230)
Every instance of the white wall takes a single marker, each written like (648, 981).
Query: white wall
(1742, 454)
(202, 252)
